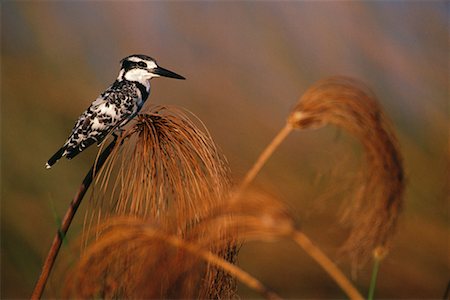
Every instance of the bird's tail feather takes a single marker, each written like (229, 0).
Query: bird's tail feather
(74, 152)
(55, 157)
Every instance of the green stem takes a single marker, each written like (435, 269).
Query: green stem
(373, 280)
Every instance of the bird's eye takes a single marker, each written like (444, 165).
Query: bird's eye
(142, 64)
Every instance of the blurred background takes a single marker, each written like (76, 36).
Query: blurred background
(246, 64)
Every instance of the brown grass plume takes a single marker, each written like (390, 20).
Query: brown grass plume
(349, 104)
(161, 264)
(165, 224)
(165, 170)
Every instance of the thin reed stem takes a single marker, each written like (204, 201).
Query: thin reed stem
(373, 279)
(333, 271)
(67, 220)
(210, 257)
(265, 155)
(300, 238)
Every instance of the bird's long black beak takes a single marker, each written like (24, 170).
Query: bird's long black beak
(166, 73)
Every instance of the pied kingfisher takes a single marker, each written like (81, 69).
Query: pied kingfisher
(115, 107)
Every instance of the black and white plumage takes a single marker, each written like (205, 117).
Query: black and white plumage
(115, 107)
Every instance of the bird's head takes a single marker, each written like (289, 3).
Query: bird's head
(142, 68)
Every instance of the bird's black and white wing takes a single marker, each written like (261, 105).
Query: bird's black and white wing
(115, 107)
(112, 109)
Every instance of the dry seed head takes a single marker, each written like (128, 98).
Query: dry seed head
(166, 169)
(249, 215)
(120, 262)
(160, 264)
(136, 258)
(349, 104)
(380, 253)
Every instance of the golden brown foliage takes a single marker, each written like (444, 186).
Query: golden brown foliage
(166, 165)
(168, 171)
(349, 104)
(161, 264)
(169, 177)
(165, 265)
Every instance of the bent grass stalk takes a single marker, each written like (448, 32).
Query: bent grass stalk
(166, 135)
(349, 104)
(265, 155)
(67, 220)
(373, 212)
(300, 238)
(208, 256)
(122, 231)
(327, 264)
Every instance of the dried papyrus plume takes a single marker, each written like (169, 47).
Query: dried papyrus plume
(164, 223)
(349, 104)
(167, 171)
(161, 264)
(166, 162)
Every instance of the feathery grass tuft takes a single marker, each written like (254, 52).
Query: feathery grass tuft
(165, 224)
(156, 270)
(165, 162)
(349, 104)
(167, 170)
(134, 257)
